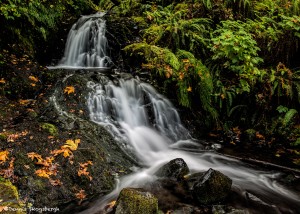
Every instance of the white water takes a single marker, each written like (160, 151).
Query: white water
(126, 111)
(86, 44)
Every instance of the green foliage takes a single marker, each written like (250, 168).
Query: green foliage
(27, 21)
(238, 53)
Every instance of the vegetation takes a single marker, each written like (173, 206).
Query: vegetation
(233, 60)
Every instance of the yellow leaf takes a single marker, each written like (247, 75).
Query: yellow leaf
(110, 205)
(43, 173)
(189, 89)
(69, 89)
(67, 153)
(33, 78)
(72, 145)
(3, 156)
(24, 102)
(2, 81)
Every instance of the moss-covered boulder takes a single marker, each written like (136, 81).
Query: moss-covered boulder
(211, 187)
(133, 201)
(50, 128)
(9, 198)
(175, 169)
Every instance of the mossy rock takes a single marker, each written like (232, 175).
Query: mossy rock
(211, 187)
(134, 200)
(50, 128)
(9, 198)
(176, 169)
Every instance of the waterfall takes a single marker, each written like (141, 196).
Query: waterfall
(86, 44)
(126, 110)
(149, 126)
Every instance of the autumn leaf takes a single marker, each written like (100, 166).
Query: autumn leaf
(43, 173)
(3, 156)
(69, 90)
(12, 137)
(110, 205)
(259, 136)
(33, 155)
(72, 145)
(66, 153)
(24, 102)
(2, 81)
(56, 182)
(33, 78)
(81, 194)
(189, 89)
(83, 169)
(3, 208)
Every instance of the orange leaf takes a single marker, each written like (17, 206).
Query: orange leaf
(81, 195)
(3, 156)
(69, 89)
(3, 208)
(56, 182)
(2, 81)
(33, 78)
(33, 155)
(43, 173)
(110, 205)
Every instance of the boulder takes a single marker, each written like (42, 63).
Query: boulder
(176, 169)
(9, 198)
(211, 187)
(136, 200)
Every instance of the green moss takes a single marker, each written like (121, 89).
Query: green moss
(3, 136)
(50, 128)
(134, 201)
(10, 198)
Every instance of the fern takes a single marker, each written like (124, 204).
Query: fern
(289, 116)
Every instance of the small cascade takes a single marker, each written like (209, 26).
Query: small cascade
(87, 44)
(126, 110)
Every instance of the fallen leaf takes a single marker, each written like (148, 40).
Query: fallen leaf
(43, 173)
(69, 90)
(81, 195)
(2, 81)
(33, 78)
(189, 89)
(3, 156)
(3, 208)
(33, 155)
(56, 182)
(72, 145)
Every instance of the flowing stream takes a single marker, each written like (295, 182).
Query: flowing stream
(148, 126)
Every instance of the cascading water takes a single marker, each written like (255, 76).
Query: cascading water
(125, 109)
(86, 44)
(148, 126)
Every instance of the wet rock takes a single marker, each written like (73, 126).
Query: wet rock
(222, 209)
(132, 201)
(10, 198)
(260, 206)
(175, 169)
(211, 187)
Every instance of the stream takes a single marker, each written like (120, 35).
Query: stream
(148, 127)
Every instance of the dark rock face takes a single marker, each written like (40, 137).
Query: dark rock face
(175, 169)
(211, 187)
(133, 201)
